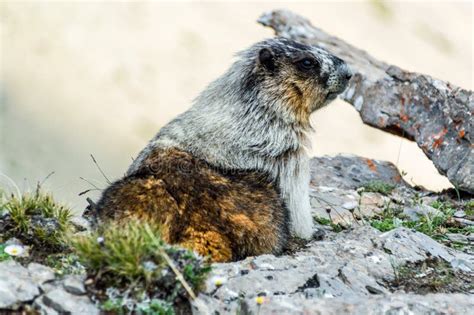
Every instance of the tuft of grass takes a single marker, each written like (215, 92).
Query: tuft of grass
(379, 187)
(435, 225)
(145, 271)
(36, 219)
(389, 219)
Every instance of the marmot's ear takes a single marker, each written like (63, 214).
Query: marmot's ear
(267, 58)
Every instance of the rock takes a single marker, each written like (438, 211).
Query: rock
(414, 213)
(410, 246)
(81, 223)
(64, 302)
(13, 241)
(375, 304)
(74, 284)
(20, 285)
(435, 114)
(333, 204)
(460, 238)
(352, 172)
(346, 273)
(40, 273)
(43, 309)
(16, 285)
(464, 222)
(459, 214)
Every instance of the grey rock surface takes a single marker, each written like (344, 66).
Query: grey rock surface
(74, 284)
(40, 273)
(433, 304)
(63, 302)
(434, 113)
(352, 172)
(347, 273)
(38, 287)
(16, 285)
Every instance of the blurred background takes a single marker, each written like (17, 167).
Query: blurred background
(80, 78)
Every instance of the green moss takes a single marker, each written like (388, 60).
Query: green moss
(135, 260)
(324, 221)
(384, 224)
(379, 187)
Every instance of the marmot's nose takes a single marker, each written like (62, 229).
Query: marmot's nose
(345, 74)
(348, 75)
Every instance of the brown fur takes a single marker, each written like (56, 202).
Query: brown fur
(301, 94)
(226, 216)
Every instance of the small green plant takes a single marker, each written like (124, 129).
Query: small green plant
(133, 258)
(469, 208)
(156, 307)
(324, 221)
(389, 219)
(436, 225)
(379, 187)
(64, 263)
(36, 220)
(114, 306)
(3, 255)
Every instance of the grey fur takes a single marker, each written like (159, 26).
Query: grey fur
(241, 121)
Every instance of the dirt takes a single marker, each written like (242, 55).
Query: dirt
(431, 276)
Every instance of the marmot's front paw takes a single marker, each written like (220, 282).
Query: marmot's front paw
(303, 229)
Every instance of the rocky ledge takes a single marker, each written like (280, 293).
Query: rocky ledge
(353, 272)
(370, 257)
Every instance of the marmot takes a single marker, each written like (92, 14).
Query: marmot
(229, 177)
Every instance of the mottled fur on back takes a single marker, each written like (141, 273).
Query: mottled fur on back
(227, 215)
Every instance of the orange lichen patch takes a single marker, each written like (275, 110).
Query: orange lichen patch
(371, 165)
(461, 133)
(439, 138)
(397, 178)
(404, 117)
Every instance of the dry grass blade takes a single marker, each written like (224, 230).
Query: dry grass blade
(171, 264)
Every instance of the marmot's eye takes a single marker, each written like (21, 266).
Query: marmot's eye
(307, 64)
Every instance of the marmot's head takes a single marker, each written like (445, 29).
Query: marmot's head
(294, 78)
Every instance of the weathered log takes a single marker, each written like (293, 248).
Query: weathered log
(434, 113)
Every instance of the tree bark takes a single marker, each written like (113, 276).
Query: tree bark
(434, 113)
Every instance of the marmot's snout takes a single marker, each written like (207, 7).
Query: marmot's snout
(339, 78)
